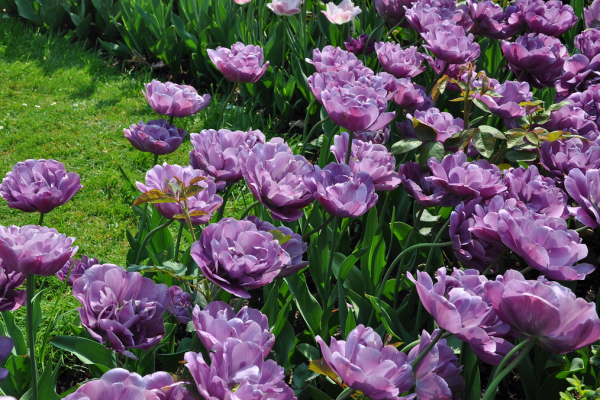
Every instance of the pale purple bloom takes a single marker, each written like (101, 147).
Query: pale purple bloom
(561, 156)
(592, 15)
(218, 153)
(34, 250)
(588, 42)
(588, 101)
(238, 371)
(205, 202)
(411, 97)
(274, 176)
(11, 299)
(574, 120)
(76, 268)
(237, 256)
(424, 16)
(156, 136)
(121, 309)
(584, 188)
(442, 123)
(179, 304)
(424, 192)
(174, 100)
(363, 363)
(402, 63)
(450, 43)
(438, 375)
(341, 191)
(285, 7)
(342, 13)
(6, 346)
(550, 17)
(489, 19)
(547, 311)
(579, 74)
(536, 59)
(332, 59)
(39, 185)
(218, 321)
(506, 105)
(243, 63)
(363, 44)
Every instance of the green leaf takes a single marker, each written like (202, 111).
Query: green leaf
(520, 155)
(19, 376)
(15, 333)
(308, 306)
(279, 236)
(577, 365)
(316, 394)
(390, 319)
(88, 351)
(484, 143)
(405, 145)
(492, 131)
(481, 105)
(424, 132)
(350, 261)
(431, 150)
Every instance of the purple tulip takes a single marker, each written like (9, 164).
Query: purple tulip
(506, 105)
(363, 44)
(374, 159)
(424, 16)
(392, 9)
(174, 100)
(561, 156)
(579, 74)
(6, 346)
(333, 59)
(411, 97)
(11, 299)
(450, 43)
(406, 63)
(536, 59)
(464, 310)
(342, 13)
(156, 137)
(237, 256)
(218, 153)
(238, 367)
(204, 203)
(574, 120)
(39, 185)
(380, 136)
(76, 268)
(438, 374)
(274, 176)
(584, 188)
(489, 19)
(34, 250)
(443, 123)
(218, 321)
(179, 304)
(424, 192)
(285, 7)
(588, 42)
(550, 17)
(120, 308)
(294, 246)
(240, 64)
(588, 101)
(592, 15)
(363, 363)
(547, 311)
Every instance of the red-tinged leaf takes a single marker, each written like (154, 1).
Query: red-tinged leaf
(178, 216)
(197, 179)
(321, 367)
(197, 213)
(439, 87)
(154, 196)
(192, 191)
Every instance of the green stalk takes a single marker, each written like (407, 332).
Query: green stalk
(143, 222)
(346, 394)
(306, 137)
(149, 236)
(178, 241)
(318, 228)
(225, 198)
(424, 352)
(225, 106)
(41, 220)
(437, 238)
(350, 138)
(327, 273)
(250, 207)
(31, 335)
(401, 261)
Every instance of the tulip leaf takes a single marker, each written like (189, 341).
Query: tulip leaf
(390, 319)
(88, 351)
(317, 394)
(15, 333)
(309, 307)
(19, 376)
(405, 145)
(439, 87)
(154, 196)
(279, 236)
(321, 367)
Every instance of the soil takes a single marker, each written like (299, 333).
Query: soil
(73, 373)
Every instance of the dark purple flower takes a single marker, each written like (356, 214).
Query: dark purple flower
(380, 136)
(174, 100)
(536, 59)
(11, 299)
(121, 309)
(34, 250)
(6, 346)
(363, 363)
(579, 74)
(588, 101)
(450, 43)
(561, 156)
(588, 42)
(489, 19)
(237, 256)
(363, 44)
(550, 17)
(179, 304)
(76, 268)
(156, 137)
(438, 374)
(506, 105)
(443, 123)
(547, 311)
(574, 120)
(333, 59)
(584, 188)
(592, 15)
(411, 97)
(406, 63)
(218, 153)
(392, 9)
(294, 246)
(274, 176)
(424, 192)
(204, 203)
(243, 63)
(39, 185)
(218, 321)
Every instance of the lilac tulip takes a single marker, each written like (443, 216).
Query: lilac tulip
(74, 268)
(573, 120)
(592, 15)
(285, 7)
(274, 176)
(507, 104)
(363, 363)
(294, 246)
(546, 311)
(11, 299)
(39, 185)
(174, 100)
(201, 206)
(588, 101)
(333, 59)
(342, 13)
(179, 304)
(450, 43)
(218, 153)
(424, 16)
(392, 9)
(438, 375)
(243, 63)
(237, 371)
(579, 74)
(363, 44)
(584, 188)
(411, 97)
(34, 250)
(121, 309)
(561, 156)
(406, 63)
(442, 123)
(156, 137)
(6, 346)
(588, 42)
(550, 17)
(536, 59)
(421, 190)
(489, 19)
(237, 256)
(218, 321)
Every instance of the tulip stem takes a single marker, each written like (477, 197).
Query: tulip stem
(437, 238)
(178, 241)
(318, 228)
(250, 207)
(225, 198)
(426, 350)
(225, 106)
(524, 348)
(41, 220)
(411, 345)
(149, 236)
(349, 151)
(408, 240)
(314, 128)
(346, 394)
(31, 335)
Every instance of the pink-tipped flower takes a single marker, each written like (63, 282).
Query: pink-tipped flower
(174, 100)
(285, 7)
(342, 13)
(241, 63)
